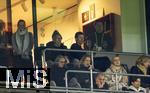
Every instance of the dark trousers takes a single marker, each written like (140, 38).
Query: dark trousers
(19, 62)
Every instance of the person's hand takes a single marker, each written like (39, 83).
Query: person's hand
(90, 67)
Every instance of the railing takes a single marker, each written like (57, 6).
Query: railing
(76, 90)
(92, 52)
(91, 71)
(116, 75)
(58, 89)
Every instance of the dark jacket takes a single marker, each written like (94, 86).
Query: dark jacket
(52, 45)
(106, 86)
(3, 40)
(57, 74)
(51, 55)
(83, 78)
(145, 81)
(77, 55)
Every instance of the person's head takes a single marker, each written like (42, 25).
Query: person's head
(144, 61)
(98, 27)
(57, 38)
(136, 82)
(21, 25)
(116, 60)
(88, 45)
(100, 78)
(61, 61)
(2, 25)
(86, 60)
(79, 37)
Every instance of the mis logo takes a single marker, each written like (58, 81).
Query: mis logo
(31, 77)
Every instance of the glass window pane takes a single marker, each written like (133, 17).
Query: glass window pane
(3, 11)
(60, 16)
(22, 9)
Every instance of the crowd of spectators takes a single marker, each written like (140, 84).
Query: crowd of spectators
(59, 62)
(104, 79)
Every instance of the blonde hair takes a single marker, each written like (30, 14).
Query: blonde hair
(59, 57)
(142, 59)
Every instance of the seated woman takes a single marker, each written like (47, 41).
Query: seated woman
(85, 65)
(100, 82)
(141, 67)
(56, 43)
(57, 71)
(122, 81)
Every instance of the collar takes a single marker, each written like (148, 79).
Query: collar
(137, 90)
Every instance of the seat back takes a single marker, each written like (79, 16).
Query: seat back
(102, 63)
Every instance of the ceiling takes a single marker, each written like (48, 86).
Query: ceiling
(47, 3)
(44, 10)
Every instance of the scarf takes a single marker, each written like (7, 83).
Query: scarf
(143, 69)
(115, 69)
(22, 44)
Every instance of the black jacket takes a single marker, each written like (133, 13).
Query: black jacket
(77, 55)
(51, 55)
(83, 78)
(106, 86)
(57, 74)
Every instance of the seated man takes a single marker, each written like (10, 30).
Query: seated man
(136, 85)
(100, 82)
(116, 67)
(79, 38)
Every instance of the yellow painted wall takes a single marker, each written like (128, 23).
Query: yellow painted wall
(19, 13)
(66, 25)
(108, 5)
(4, 17)
(3, 12)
